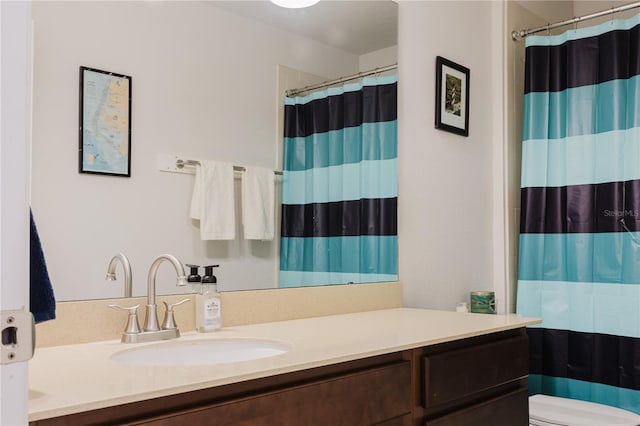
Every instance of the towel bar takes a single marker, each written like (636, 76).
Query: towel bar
(181, 163)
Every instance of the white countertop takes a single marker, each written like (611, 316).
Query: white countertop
(75, 378)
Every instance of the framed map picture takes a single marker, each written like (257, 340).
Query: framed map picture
(105, 123)
(452, 97)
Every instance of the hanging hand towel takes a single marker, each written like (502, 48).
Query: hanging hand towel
(258, 193)
(42, 302)
(213, 201)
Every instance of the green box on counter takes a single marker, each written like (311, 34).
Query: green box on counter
(483, 302)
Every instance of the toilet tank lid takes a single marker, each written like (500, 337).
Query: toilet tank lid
(573, 412)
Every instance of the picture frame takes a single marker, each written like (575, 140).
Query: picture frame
(104, 123)
(452, 96)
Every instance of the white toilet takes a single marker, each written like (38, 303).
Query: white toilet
(547, 410)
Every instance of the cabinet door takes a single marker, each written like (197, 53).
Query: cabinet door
(511, 409)
(452, 375)
(362, 398)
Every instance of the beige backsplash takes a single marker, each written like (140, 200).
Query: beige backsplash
(90, 321)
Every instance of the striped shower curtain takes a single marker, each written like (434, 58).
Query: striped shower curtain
(340, 186)
(579, 260)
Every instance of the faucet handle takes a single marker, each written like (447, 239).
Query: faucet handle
(169, 322)
(132, 322)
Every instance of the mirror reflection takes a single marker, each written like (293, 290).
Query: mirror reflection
(208, 82)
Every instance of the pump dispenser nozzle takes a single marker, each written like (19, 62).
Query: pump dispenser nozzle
(208, 277)
(193, 275)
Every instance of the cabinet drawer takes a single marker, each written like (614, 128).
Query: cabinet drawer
(363, 398)
(511, 409)
(452, 375)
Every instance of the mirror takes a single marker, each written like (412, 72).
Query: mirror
(206, 83)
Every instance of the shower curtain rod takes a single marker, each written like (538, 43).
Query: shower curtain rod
(292, 92)
(523, 33)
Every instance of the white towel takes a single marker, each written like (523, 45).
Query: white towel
(213, 201)
(258, 195)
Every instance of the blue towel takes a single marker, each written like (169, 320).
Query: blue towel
(41, 299)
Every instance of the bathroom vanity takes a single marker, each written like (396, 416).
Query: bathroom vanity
(392, 367)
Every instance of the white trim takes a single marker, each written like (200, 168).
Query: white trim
(15, 93)
(500, 170)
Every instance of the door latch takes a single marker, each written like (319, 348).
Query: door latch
(17, 336)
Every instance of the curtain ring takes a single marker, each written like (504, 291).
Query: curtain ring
(548, 29)
(613, 13)
(575, 23)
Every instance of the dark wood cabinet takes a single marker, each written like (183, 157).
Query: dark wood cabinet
(476, 381)
(505, 410)
(453, 374)
(361, 398)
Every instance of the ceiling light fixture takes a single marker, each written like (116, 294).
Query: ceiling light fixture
(294, 4)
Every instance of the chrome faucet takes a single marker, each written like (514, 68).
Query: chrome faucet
(151, 331)
(151, 321)
(111, 272)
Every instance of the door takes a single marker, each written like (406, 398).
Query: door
(15, 125)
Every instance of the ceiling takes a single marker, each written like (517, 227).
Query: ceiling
(358, 27)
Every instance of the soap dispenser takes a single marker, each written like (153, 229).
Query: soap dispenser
(194, 277)
(208, 306)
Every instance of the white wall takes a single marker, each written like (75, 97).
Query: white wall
(550, 10)
(379, 58)
(203, 84)
(446, 194)
(581, 8)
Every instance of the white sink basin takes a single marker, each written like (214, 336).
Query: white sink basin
(200, 352)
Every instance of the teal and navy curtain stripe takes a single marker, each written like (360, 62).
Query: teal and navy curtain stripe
(340, 187)
(583, 62)
(615, 111)
(343, 218)
(370, 256)
(594, 308)
(368, 142)
(346, 108)
(603, 207)
(579, 256)
(367, 179)
(586, 258)
(593, 357)
(561, 162)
